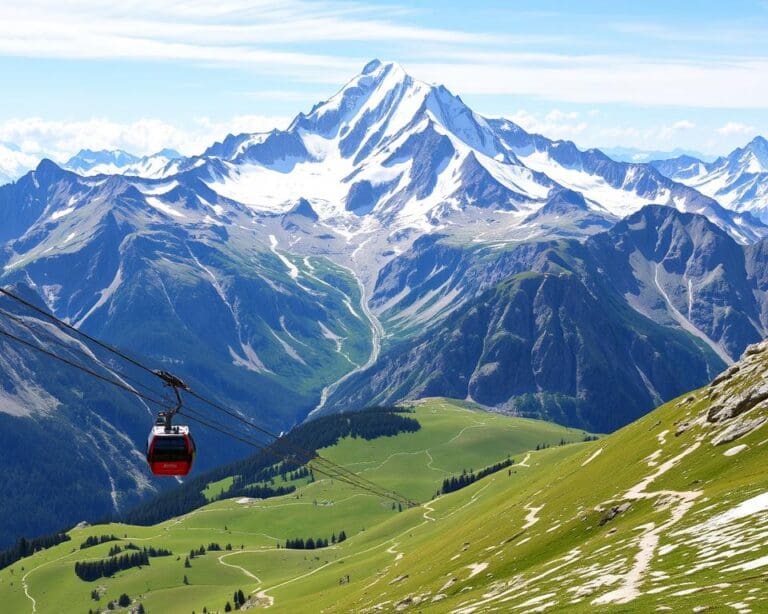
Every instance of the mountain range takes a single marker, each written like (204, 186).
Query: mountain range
(117, 162)
(738, 181)
(390, 243)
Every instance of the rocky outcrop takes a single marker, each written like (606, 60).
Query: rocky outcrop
(738, 399)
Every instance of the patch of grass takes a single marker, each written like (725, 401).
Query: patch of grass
(214, 489)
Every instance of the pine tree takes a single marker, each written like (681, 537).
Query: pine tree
(186, 580)
(186, 562)
(227, 607)
(240, 598)
(141, 609)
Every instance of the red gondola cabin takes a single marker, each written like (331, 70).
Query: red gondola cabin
(170, 451)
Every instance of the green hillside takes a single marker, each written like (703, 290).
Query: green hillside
(454, 436)
(667, 514)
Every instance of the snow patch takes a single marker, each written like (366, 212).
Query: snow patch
(293, 270)
(735, 450)
(57, 215)
(476, 568)
(158, 204)
(594, 455)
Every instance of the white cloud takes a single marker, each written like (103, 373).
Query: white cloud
(683, 124)
(556, 115)
(554, 124)
(736, 128)
(14, 163)
(571, 125)
(34, 138)
(287, 38)
(651, 137)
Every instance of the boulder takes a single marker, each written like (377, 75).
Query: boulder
(738, 429)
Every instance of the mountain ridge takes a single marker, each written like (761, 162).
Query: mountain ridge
(739, 180)
(273, 274)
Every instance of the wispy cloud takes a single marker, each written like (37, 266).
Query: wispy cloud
(732, 83)
(658, 136)
(554, 124)
(736, 128)
(720, 32)
(34, 138)
(254, 33)
(300, 41)
(575, 125)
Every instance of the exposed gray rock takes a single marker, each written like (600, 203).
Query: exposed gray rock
(725, 375)
(755, 348)
(732, 406)
(613, 512)
(542, 345)
(738, 429)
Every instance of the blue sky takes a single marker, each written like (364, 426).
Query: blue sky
(138, 75)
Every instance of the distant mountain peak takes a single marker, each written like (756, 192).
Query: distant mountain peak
(758, 147)
(101, 156)
(169, 153)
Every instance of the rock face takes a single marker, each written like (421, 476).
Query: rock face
(541, 347)
(738, 398)
(682, 270)
(544, 345)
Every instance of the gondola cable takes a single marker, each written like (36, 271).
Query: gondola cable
(295, 448)
(266, 448)
(35, 328)
(343, 474)
(160, 374)
(122, 386)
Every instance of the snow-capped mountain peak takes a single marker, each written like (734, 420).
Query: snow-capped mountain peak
(386, 147)
(753, 158)
(389, 158)
(377, 103)
(738, 181)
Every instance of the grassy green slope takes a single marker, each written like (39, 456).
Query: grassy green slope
(661, 516)
(454, 436)
(694, 533)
